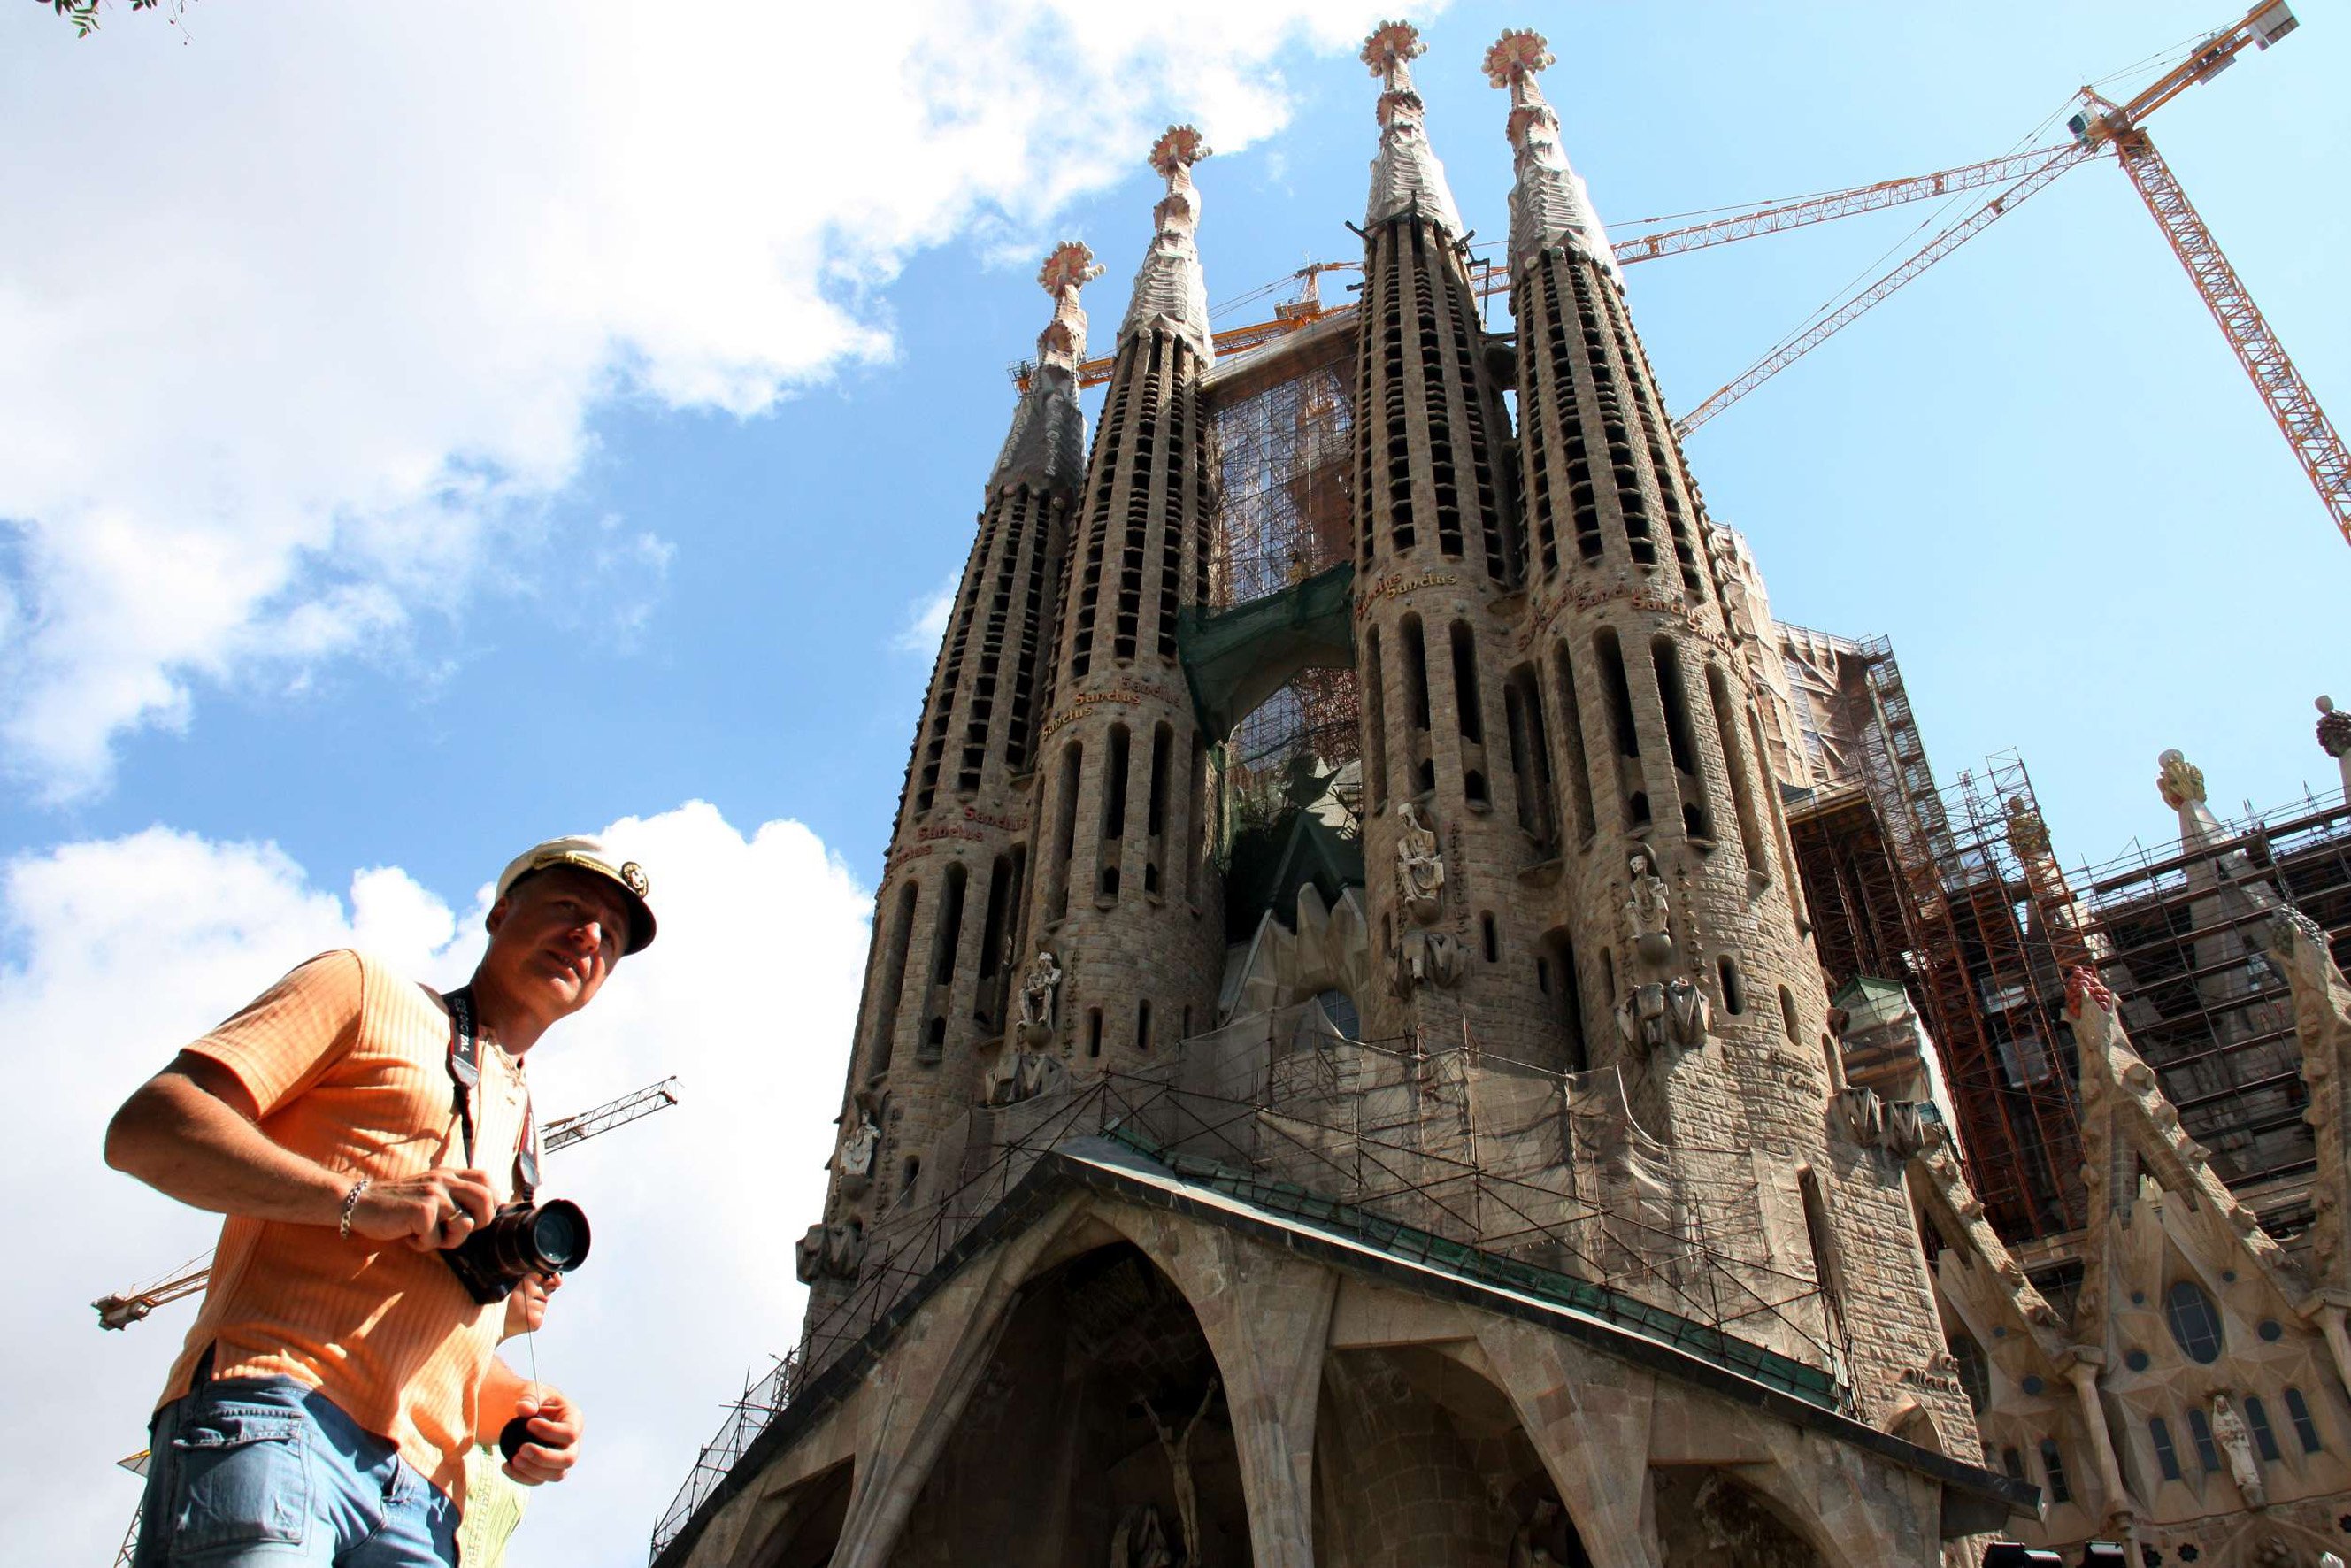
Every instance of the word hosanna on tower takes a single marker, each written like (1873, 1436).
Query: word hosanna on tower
(1345, 1075)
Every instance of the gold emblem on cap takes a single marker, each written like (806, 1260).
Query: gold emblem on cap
(633, 877)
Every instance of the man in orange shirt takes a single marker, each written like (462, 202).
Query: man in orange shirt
(352, 1126)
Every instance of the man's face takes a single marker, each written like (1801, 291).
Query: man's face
(555, 938)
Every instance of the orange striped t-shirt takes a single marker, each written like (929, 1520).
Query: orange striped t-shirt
(349, 1064)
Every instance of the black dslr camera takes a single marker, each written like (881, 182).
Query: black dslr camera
(520, 1239)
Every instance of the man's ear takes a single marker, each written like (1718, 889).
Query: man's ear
(497, 915)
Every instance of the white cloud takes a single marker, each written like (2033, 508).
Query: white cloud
(116, 951)
(301, 340)
(927, 620)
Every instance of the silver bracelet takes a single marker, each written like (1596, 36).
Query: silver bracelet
(351, 1202)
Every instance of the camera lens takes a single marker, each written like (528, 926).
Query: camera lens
(558, 1237)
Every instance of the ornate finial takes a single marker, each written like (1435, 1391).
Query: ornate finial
(2028, 835)
(1046, 447)
(1407, 178)
(2333, 731)
(1389, 52)
(1550, 208)
(2181, 782)
(1178, 148)
(1070, 268)
(2082, 984)
(1514, 60)
(1169, 291)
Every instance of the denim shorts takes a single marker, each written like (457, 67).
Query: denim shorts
(267, 1472)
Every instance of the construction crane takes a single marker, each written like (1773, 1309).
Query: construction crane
(121, 1310)
(2100, 126)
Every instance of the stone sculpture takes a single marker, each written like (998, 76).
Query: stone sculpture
(1874, 1123)
(1531, 1548)
(1178, 1448)
(1426, 958)
(1648, 910)
(1420, 865)
(1641, 1017)
(2335, 739)
(854, 1159)
(1689, 1015)
(1141, 1541)
(1039, 995)
(834, 1252)
(2237, 1443)
(2180, 781)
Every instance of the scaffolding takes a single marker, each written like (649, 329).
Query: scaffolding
(1283, 418)
(2178, 931)
(1506, 1174)
(1956, 892)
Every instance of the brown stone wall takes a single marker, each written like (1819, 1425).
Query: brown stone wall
(1402, 1486)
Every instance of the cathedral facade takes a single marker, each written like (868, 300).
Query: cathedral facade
(1426, 1140)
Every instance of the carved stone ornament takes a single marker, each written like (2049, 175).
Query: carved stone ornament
(2180, 781)
(2028, 835)
(1025, 1075)
(1141, 1541)
(1874, 1123)
(1040, 992)
(854, 1159)
(2333, 731)
(834, 1252)
(2237, 1443)
(1648, 910)
(1550, 208)
(1426, 958)
(1420, 865)
(1689, 1016)
(1641, 1017)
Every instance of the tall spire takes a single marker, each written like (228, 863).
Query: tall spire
(2181, 784)
(1406, 176)
(1549, 205)
(1169, 291)
(1047, 444)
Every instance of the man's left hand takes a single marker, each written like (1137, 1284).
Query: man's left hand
(555, 1425)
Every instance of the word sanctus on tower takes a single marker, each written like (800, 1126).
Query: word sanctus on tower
(1344, 1078)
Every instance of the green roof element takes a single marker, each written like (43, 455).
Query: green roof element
(1235, 659)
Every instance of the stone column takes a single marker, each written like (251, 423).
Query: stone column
(2083, 1370)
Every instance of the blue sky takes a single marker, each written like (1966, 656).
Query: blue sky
(430, 434)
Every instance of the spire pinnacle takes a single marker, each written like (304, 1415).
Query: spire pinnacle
(1169, 291)
(1070, 268)
(1046, 447)
(1406, 176)
(1550, 208)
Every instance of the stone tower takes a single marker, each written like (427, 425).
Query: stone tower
(1449, 826)
(1675, 915)
(939, 982)
(1124, 907)
(1450, 1167)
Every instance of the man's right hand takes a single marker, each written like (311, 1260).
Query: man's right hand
(431, 1212)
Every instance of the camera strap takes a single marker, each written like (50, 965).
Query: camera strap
(465, 1076)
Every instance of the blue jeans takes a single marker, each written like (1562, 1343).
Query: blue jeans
(265, 1472)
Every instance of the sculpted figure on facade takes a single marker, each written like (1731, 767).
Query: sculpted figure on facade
(1039, 995)
(2229, 1431)
(1648, 910)
(1177, 1446)
(1420, 865)
(834, 1252)
(1641, 1017)
(854, 1159)
(1690, 1015)
(1426, 958)
(1141, 1541)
